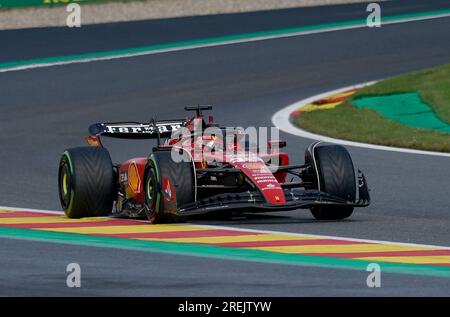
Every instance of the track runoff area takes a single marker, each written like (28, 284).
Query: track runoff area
(226, 243)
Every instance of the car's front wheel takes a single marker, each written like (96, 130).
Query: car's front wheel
(335, 176)
(168, 185)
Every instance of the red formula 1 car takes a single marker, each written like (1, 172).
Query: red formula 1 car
(199, 168)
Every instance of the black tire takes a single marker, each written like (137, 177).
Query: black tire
(86, 182)
(159, 207)
(336, 176)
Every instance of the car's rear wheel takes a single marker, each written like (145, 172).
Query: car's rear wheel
(335, 176)
(86, 182)
(168, 186)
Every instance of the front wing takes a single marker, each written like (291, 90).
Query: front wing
(296, 198)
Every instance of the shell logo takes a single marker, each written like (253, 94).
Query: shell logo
(134, 181)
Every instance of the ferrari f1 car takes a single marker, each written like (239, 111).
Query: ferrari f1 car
(164, 189)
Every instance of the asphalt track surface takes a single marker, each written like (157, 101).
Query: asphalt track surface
(46, 110)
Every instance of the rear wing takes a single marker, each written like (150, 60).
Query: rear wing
(137, 130)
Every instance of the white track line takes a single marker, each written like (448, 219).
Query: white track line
(32, 210)
(261, 231)
(281, 119)
(219, 43)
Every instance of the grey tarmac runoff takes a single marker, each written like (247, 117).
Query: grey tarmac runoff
(45, 110)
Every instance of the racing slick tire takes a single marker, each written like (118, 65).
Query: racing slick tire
(86, 182)
(168, 185)
(336, 176)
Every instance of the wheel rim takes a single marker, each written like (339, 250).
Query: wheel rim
(65, 185)
(149, 191)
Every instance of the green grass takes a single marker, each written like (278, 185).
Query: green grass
(362, 125)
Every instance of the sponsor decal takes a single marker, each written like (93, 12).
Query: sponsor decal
(168, 190)
(134, 180)
(143, 128)
(268, 176)
(271, 188)
(263, 171)
(261, 181)
(203, 163)
(254, 165)
(243, 157)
